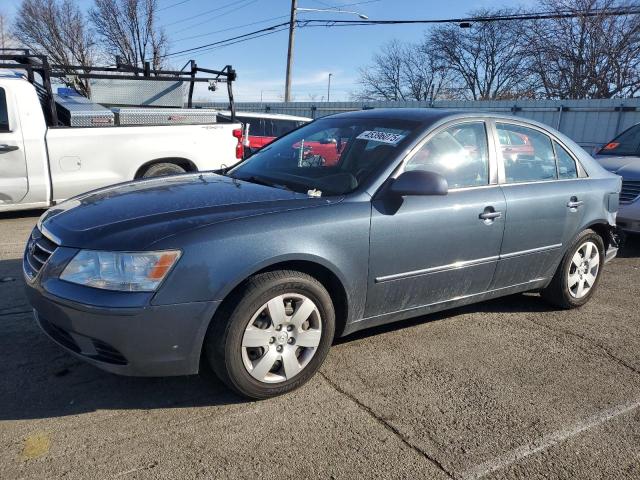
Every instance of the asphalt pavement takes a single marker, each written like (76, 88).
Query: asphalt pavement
(509, 388)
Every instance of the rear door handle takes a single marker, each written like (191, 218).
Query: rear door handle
(575, 203)
(8, 148)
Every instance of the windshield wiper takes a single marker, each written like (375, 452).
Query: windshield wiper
(264, 181)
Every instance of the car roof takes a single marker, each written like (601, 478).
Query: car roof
(430, 116)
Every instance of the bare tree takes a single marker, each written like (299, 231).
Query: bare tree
(6, 39)
(382, 80)
(585, 56)
(58, 29)
(486, 59)
(423, 76)
(128, 29)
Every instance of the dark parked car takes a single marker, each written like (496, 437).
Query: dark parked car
(622, 157)
(257, 269)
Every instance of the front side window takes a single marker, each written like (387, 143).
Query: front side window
(531, 159)
(566, 164)
(332, 156)
(4, 112)
(458, 153)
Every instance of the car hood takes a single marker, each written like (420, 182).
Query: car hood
(627, 167)
(131, 216)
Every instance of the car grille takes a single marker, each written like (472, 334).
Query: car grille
(630, 191)
(39, 249)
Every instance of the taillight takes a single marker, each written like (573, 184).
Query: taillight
(237, 133)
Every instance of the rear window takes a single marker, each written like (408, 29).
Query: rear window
(4, 113)
(256, 125)
(626, 143)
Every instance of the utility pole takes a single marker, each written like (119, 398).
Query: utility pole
(329, 88)
(292, 27)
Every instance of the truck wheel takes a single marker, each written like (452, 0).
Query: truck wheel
(579, 273)
(162, 169)
(273, 335)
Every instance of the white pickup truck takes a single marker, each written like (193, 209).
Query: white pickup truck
(42, 164)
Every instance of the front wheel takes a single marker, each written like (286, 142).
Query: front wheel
(273, 335)
(578, 274)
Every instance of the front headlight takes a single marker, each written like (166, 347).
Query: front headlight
(124, 271)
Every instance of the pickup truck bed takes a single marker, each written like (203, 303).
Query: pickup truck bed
(40, 165)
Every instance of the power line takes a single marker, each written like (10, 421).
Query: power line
(231, 43)
(206, 12)
(267, 29)
(173, 5)
(347, 4)
(230, 28)
(238, 6)
(617, 11)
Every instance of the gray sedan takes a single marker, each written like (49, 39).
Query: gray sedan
(622, 157)
(351, 221)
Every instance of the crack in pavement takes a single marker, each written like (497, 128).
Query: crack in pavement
(590, 341)
(381, 421)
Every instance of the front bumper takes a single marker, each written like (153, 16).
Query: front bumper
(154, 340)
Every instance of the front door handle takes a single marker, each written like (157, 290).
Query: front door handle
(8, 148)
(489, 215)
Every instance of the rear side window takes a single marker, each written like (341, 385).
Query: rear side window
(458, 153)
(4, 112)
(566, 165)
(627, 143)
(531, 159)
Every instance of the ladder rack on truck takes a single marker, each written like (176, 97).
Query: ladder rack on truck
(38, 65)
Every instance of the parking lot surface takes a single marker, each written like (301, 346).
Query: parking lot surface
(509, 388)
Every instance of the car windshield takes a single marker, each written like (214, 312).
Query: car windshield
(625, 144)
(330, 156)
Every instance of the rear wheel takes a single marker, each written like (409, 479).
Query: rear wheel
(163, 169)
(578, 274)
(272, 336)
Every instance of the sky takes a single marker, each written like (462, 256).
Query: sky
(261, 63)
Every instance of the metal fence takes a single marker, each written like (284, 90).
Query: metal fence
(587, 122)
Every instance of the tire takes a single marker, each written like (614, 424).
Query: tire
(575, 282)
(163, 169)
(251, 333)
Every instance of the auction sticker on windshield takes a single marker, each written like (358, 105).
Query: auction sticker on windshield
(384, 137)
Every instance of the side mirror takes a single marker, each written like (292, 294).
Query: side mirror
(419, 182)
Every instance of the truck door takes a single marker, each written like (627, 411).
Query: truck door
(13, 167)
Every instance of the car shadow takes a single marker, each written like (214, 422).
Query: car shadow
(38, 379)
(630, 246)
(21, 214)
